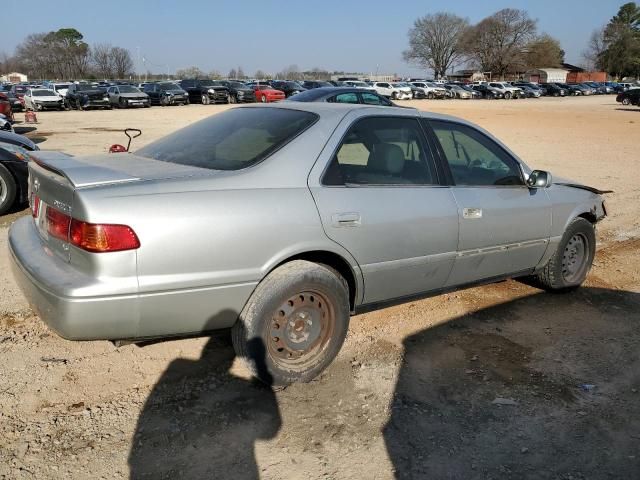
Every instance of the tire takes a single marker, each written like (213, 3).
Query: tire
(625, 101)
(507, 96)
(556, 94)
(7, 190)
(568, 267)
(164, 101)
(297, 299)
(78, 105)
(263, 99)
(204, 98)
(233, 99)
(430, 96)
(394, 96)
(122, 103)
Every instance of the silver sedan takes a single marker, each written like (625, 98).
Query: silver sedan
(281, 221)
(125, 96)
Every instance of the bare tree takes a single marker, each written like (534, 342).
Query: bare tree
(260, 74)
(121, 61)
(497, 44)
(191, 72)
(435, 42)
(595, 48)
(101, 59)
(240, 73)
(232, 73)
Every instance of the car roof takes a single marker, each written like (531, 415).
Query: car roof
(317, 93)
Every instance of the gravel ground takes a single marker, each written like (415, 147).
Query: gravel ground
(501, 381)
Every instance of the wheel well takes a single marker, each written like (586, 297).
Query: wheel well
(589, 216)
(334, 261)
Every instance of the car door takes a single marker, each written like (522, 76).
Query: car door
(378, 194)
(504, 225)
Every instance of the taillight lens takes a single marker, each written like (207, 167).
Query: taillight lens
(92, 237)
(58, 224)
(102, 238)
(35, 206)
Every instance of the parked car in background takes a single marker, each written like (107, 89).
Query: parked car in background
(474, 93)
(166, 93)
(358, 84)
(309, 84)
(342, 95)
(125, 96)
(530, 92)
(19, 90)
(59, 88)
(5, 107)
(268, 94)
(14, 175)
(82, 96)
(108, 252)
(532, 86)
(205, 91)
(508, 91)
(288, 87)
(239, 92)
(17, 104)
(416, 93)
(431, 90)
(555, 90)
(488, 92)
(43, 99)
(386, 89)
(630, 97)
(458, 92)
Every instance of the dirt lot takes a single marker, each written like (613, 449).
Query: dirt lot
(501, 381)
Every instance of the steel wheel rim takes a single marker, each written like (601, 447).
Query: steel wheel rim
(300, 330)
(574, 258)
(3, 191)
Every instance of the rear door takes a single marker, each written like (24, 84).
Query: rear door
(378, 193)
(504, 225)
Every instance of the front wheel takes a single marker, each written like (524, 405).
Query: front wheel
(205, 99)
(626, 101)
(507, 96)
(571, 262)
(7, 190)
(263, 99)
(294, 324)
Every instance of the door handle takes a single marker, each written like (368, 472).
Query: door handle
(470, 213)
(350, 219)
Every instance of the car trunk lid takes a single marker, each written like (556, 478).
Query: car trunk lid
(55, 178)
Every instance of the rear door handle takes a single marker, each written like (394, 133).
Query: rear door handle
(350, 219)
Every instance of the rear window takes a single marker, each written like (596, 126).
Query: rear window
(231, 140)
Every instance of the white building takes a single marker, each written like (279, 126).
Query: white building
(14, 77)
(546, 75)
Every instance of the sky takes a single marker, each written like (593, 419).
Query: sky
(337, 35)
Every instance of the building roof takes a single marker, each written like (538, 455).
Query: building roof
(572, 68)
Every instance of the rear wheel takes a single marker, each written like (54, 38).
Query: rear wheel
(7, 190)
(263, 99)
(570, 264)
(294, 324)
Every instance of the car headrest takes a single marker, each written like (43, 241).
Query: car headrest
(387, 158)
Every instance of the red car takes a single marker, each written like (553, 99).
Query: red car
(268, 94)
(5, 107)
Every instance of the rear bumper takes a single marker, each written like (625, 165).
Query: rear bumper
(49, 284)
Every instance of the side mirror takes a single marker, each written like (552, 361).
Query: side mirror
(539, 179)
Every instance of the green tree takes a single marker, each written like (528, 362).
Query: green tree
(544, 51)
(621, 55)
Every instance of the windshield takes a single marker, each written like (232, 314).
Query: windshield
(43, 93)
(169, 86)
(21, 89)
(61, 86)
(231, 140)
(128, 89)
(83, 87)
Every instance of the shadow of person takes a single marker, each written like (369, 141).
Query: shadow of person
(544, 386)
(200, 421)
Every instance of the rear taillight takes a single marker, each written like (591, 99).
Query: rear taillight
(92, 237)
(35, 206)
(58, 224)
(102, 238)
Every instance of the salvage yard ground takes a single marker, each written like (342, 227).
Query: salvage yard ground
(500, 381)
